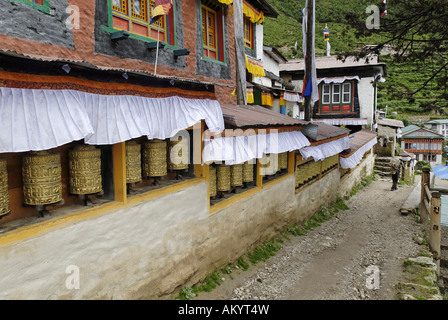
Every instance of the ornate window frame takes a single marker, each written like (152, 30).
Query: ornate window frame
(41, 5)
(138, 22)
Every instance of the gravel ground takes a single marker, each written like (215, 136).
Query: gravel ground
(332, 262)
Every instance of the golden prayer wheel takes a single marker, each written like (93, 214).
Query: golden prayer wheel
(283, 161)
(316, 168)
(212, 174)
(85, 170)
(248, 172)
(268, 166)
(297, 176)
(4, 195)
(42, 184)
(178, 155)
(306, 171)
(154, 158)
(236, 175)
(133, 162)
(223, 177)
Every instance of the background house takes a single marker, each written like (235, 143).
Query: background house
(388, 130)
(440, 126)
(425, 144)
(347, 89)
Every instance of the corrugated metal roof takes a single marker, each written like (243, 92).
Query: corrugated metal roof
(254, 116)
(409, 128)
(423, 134)
(87, 64)
(243, 116)
(438, 121)
(329, 63)
(360, 138)
(391, 123)
(326, 131)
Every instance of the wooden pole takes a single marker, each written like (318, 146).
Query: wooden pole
(157, 52)
(119, 163)
(434, 225)
(424, 214)
(308, 57)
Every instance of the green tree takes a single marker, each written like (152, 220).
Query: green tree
(415, 31)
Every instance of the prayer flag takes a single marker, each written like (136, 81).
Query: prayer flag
(326, 33)
(161, 8)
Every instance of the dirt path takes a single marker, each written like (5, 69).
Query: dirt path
(332, 261)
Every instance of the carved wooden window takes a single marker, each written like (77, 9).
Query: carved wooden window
(42, 5)
(135, 16)
(248, 33)
(209, 31)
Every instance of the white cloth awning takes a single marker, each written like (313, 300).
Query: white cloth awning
(326, 150)
(343, 122)
(294, 97)
(40, 119)
(337, 79)
(353, 160)
(239, 149)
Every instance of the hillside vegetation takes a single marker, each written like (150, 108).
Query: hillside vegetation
(286, 30)
(403, 78)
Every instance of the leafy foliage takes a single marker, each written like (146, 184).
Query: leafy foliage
(286, 30)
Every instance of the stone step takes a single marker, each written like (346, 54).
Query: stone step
(382, 173)
(382, 167)
(383, 159)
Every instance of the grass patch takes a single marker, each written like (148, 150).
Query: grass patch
(242, 264)
(364, 183)
(264, 252)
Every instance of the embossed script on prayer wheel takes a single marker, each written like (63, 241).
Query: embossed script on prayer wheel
(42, 182)
(297, 176)
(248, 172)
(270, 164)
(133, 162)
(85, 170)
(178, 154)
(236, 175)
(4, 196)
(283, 161)
(154, 158)
(223, 177)
(213, 191)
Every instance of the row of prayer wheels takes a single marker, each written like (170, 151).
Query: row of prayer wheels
(329, 163)
(225, 177)
(273, 163)
(4, 195)
(42, 180)
(307, 171)
(154, 158)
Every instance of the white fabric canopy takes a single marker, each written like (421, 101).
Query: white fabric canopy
(353, 160)
(37, 119)
(294, 97)
(343, 122)
(326, 150)
(41, 119)
(338, 79)
(239, 149)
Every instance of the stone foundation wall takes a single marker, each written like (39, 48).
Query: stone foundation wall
(153, 248)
